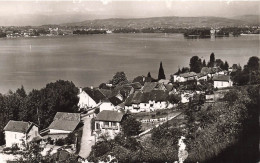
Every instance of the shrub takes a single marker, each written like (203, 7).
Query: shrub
(97, 110)
(70, 139)
(60, 142)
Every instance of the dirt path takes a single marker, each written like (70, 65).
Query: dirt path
(87, 140)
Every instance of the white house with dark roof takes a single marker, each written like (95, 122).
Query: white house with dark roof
(147, 101)
(185, 77)
(108, 121)
(64, 123)
(222, 81)
(90, 98)
(17, 132)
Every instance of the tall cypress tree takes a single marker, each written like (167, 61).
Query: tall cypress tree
(149, 75)
(211, 60)
(204, 63)
(161, 74)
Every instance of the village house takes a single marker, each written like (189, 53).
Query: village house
(106, 105)
(122, 91)
(17, 132)
(147, 101)
(63, 123)
(185, 77)
(108, 121)
(110, 104)
(150, 86)
(222, 81)
(202, 76)
(90, 98)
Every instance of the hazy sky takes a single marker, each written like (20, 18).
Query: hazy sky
(42, 12)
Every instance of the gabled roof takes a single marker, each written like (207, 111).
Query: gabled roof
(111, 116)
(124, 90)
(65, 121)
(169, 87)
(206, 70)
(137, 98)
(159, 95)
(142, 79)
(149, 86)
(64, 125)
(95, 94)
(106, 92)
(115, 101)
(164, 81)
(145, 97)
(188, 74)
(128, 101)
(221, 78)
(67, 116)
(19, 126)
(136, 85)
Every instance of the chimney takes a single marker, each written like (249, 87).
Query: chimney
(80, 89)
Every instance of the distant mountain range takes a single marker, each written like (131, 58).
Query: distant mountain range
(170, 22)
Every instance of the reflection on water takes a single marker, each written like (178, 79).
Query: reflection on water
(92, 59)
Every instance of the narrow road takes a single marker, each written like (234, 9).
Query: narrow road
(87, 141)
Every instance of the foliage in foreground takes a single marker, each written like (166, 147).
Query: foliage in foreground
(212, 134)
(38, 106)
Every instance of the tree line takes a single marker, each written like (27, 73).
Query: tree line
(38, 106)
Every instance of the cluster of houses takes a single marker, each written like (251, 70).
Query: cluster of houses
(21, 133)
(143, 94)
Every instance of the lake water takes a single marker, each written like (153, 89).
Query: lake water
(91, 59)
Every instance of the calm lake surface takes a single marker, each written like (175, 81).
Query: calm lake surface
(92, 59)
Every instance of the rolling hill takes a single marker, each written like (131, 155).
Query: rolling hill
(169, 22)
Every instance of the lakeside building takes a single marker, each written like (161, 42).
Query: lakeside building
(222, 81)
(90, 98)
(185, 77)
(63, 123)
(108, 122)
(19, 132)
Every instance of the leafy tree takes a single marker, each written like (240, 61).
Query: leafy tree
(21, 92)
(185, 70)
(97, 110)
(226, 66)
(174, 98)
(32, 154)
(40, 106)
(162, 135)
(219, 63)
(131, 126)
(161, 74)
(118, 78)
(240, 77)
(253, 64)
(195, 64)
(104, 86)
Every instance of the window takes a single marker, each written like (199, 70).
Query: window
(97, 126)
(106, 123)
(35, 132)
(114, 124)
